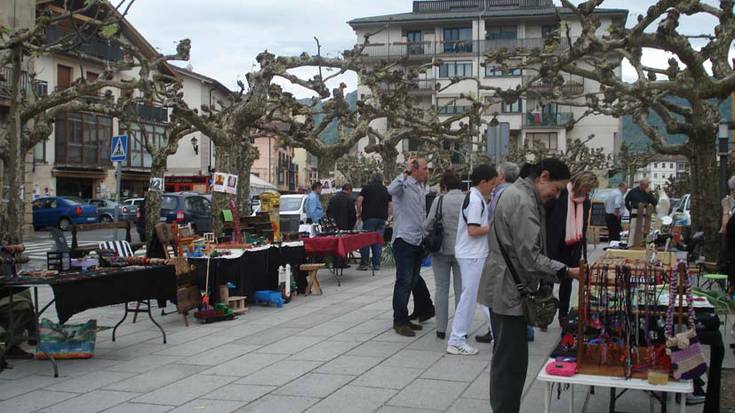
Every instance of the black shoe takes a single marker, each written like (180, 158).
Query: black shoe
(415, 327)
(404, 330)
(427, 316)
(17, 353)
(530, 338)
(363, 267)
(413, 316)
(441, 335)
(486, 338)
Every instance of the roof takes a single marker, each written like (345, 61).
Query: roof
(201, 77)
(490, 13)
(661, 157)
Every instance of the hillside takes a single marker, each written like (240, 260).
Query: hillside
(330, 134)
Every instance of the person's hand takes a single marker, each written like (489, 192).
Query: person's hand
(410, 165)
(574, 273)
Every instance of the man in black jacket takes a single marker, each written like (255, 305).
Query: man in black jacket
(341, 209)
(640, 195)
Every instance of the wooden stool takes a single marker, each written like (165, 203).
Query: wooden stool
(313, 281)
(238, 304)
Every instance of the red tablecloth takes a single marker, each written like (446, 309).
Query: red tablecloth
(340, 245)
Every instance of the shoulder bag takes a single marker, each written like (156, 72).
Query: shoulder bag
(539, 307)
(433, 241)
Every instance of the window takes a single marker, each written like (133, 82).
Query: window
(453, 109)
(83, 139)
(495, 71)
(138, 156)
(655, 165)
(655, 175)
(39, 152)
(415, 45)
(169, 202)
(196, 204)
(671, 166)
(458, 69)
(547, 30)
(504, 32)
(92, 76)
(515, 107)
(458, 40)
(548, 140)
(63, 77)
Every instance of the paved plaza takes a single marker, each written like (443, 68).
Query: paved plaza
(331, 353)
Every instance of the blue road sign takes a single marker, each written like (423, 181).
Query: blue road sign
(119, 148)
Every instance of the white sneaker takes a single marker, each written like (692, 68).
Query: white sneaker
(463, 350)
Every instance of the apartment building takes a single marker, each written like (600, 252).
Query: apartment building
(662, 168)
(459, 33)
(275, 163)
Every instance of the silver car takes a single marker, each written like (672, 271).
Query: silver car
(106, 210)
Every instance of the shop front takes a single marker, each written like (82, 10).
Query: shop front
(80, 183)
(197, 183)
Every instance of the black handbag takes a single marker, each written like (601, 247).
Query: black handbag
(539, 307)
(433, 241)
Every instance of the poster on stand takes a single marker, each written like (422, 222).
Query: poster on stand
(226, 183)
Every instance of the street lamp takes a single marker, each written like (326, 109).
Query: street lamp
(723, 151)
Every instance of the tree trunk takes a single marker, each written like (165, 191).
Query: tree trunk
(390, 162)
(704, 191)
(4, 197)
(246, 156)
(153, 198)
(13, 232)
(224, 162)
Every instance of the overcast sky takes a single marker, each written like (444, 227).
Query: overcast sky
(226, 35)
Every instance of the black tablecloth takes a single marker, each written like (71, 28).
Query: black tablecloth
(76, 292)
(253, 271)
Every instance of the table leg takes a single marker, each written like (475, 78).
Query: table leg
(150, 315)
(547, 398)
(571, 398)
(683, 404)
(611, 408)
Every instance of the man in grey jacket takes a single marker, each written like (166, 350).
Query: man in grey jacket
(519, 226)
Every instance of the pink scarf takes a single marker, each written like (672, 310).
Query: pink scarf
(575, 217)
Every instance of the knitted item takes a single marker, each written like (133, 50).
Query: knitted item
(687, 359)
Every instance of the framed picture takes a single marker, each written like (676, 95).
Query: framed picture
(156, 185)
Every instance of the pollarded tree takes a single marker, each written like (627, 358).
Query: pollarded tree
(685, 92)
(31, 114)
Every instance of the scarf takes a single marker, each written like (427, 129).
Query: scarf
(575, 217)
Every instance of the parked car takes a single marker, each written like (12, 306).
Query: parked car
(292, 212)
(681, 213)
(106, 210)
(61, 212)
(187, 207)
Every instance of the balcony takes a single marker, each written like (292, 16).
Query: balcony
(6, 75)
(430, 49)
(474, 5)
(548, 120)
(453, 109)
(91, 45)
(570, 87)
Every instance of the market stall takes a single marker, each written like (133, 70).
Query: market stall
(339, 245)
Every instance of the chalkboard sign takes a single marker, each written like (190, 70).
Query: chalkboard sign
(597, 215)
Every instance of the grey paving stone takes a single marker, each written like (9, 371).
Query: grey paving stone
(480, 388)
(239, 392)
(91, 402)
(429, 394)
(127, 352)
(144, 363)
(328, 329)
(280, 373)
(377, 349)
(186, 335)
(397, 409)
(349, 365)
(138, 408)
(353, 399)
(24, 385)
(152, 380)
(273, 403)
(221, 354)
(34, 400)
(290, 345)
(185, 390)
(207, 405)
(324, 351)
(457, 368)
(388, 377)
(89, 382)
(314, 385)
(417, 359)
(73, 368)
(471, 406)
(245, 365)
(269, 336)
(196, 346)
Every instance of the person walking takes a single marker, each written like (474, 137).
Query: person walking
(471, 251)
(374, 206)
(443, 262)
(508, 173)
(614, 212)
(408, 192)
(519, 228)
(636, 196)
(314, 209)
(566, 230)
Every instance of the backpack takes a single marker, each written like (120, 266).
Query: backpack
(466, 203)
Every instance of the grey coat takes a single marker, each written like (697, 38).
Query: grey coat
(451, 205)
(520, 224)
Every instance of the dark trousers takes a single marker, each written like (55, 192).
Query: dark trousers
(408, 266)
(377, 225)
(565, 292)
(614, 227)
(714, 371)
(509, 364)
(422, 303)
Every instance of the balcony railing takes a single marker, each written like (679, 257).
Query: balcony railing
(90, 45)
(429, 49)
(570, 87)
(453, 109)
(456, 5)
(548, 120)
(6, 79)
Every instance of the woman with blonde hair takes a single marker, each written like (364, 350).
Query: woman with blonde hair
(566, 229)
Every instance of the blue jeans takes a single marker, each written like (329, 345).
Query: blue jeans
(408, 266)
(376, 225)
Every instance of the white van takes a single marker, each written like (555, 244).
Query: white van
(292, 212)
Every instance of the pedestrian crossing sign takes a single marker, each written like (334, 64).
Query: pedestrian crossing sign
(119, 148)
